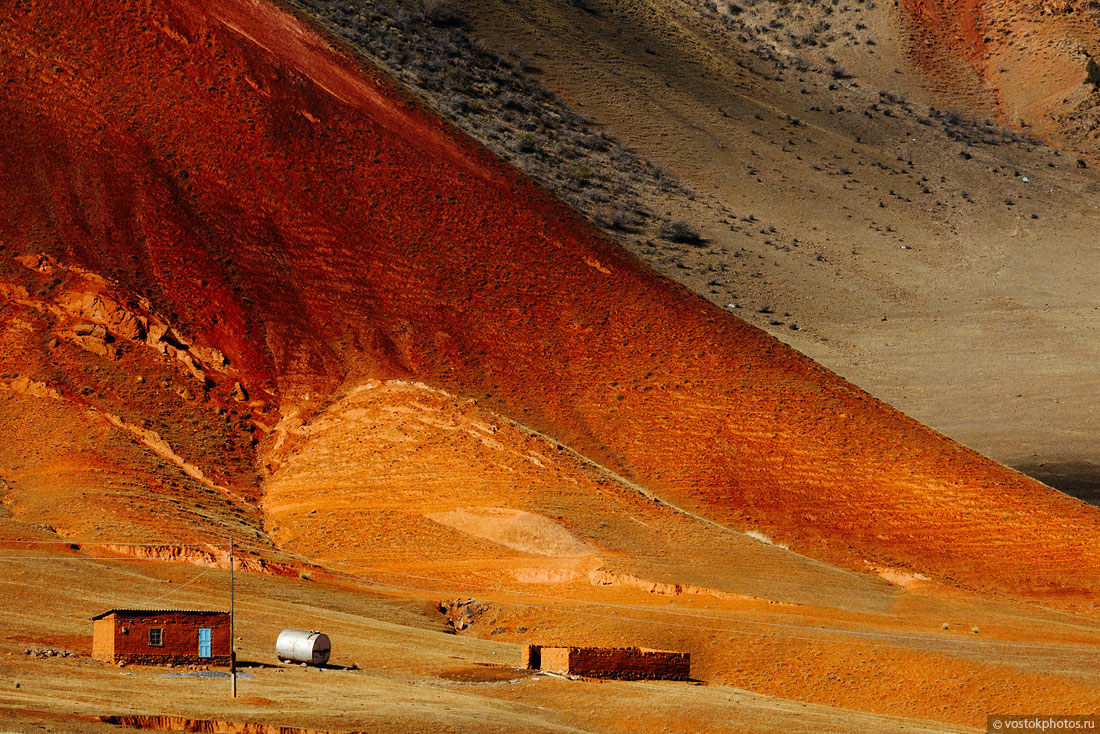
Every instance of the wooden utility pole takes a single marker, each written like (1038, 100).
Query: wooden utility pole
(232, 638)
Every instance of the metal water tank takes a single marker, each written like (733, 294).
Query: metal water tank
(299, 646)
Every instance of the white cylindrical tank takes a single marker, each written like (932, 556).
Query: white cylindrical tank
(299, 646)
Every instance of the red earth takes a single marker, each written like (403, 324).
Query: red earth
(281, 202)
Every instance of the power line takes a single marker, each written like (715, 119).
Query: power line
(181, 586)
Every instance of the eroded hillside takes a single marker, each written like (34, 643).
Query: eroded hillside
(255, 292)
(863, 193)
(348, 235)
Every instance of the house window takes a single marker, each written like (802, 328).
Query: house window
(156, 636)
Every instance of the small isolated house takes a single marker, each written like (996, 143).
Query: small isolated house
(620, 663)
(161, 636)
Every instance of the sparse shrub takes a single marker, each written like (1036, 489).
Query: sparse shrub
(665, 180)
(580, 173)
(528, 143)
(952, 117)
(454, 74)
(840, 72)
(595, 195)
(1092, 73)
(625, 220)
(680, 231)
(442, 13)
(456, 101)
(513, 102)
(618, 219)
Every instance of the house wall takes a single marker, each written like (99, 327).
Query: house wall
(555, 659)
(629, 663)
(180, 638)
(103, 639)
(532, 657)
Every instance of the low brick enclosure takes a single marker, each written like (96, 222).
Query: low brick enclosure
(161, 636)
(620, 663)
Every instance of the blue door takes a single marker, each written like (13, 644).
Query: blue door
(204, 642)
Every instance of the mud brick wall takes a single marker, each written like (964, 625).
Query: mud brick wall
(532, 657)
(103, 639)
(125, 638)
(628, 663)
(554, 659)
(180, 637)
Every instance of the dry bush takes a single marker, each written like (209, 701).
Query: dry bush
(681, 231)
(442, 13)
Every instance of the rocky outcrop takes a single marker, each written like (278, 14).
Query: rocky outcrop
(36, 388)
(192, 365)
(104, 323)
(461, 614)
(238, 393)
(96, 345)
(210, 356)
(601, 577)
(161, 448)
(162, 337)
(97, 330)
(37, 261)
(207, 556)
(102, 310)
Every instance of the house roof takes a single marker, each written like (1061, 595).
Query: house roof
(143, 612)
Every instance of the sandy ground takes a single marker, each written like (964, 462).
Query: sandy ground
(413, 675)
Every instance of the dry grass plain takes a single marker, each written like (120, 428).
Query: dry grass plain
(765, 668)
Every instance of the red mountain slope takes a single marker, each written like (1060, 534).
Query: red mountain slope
(319, 228)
